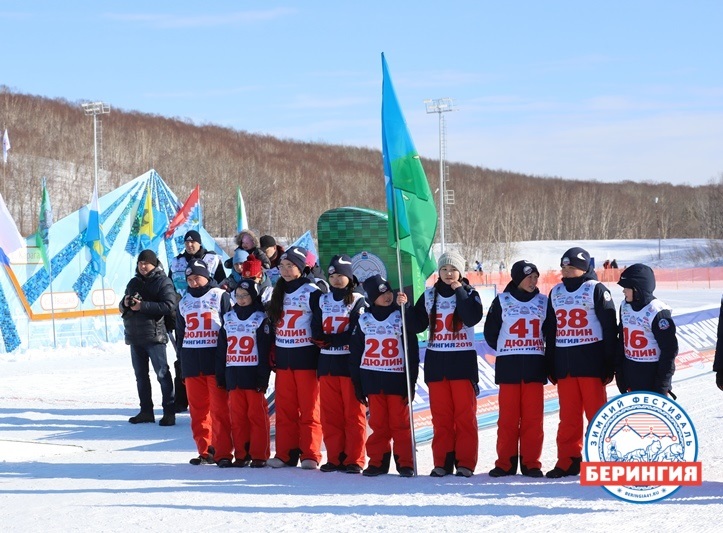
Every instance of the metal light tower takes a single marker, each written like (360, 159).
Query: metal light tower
(660, 224)
(95, 109)
(440, 106)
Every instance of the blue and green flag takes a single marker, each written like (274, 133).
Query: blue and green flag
(410, 205)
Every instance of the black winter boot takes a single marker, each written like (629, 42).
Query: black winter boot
(142, 418)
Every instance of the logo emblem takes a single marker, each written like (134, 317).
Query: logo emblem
(641, 447)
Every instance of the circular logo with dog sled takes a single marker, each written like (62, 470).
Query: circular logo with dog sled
(641, 447)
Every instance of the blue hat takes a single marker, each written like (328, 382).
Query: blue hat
(240, 255)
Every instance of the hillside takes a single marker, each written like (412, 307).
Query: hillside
(287, 184)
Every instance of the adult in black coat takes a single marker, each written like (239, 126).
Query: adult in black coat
(149, 298)
(647, 343)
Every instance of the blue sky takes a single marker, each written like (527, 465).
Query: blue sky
(608, 90)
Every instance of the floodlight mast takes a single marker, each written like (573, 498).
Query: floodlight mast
(95, 109)
(441, 106)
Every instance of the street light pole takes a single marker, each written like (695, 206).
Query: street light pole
(95, 109)
(440, 106)
(657, 210)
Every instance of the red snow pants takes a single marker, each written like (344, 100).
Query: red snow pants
(297, 415)
(250, 430)
(454, 420)
(210, 422)
(343, 421)
(520, 424)
(389, 420)
(576, 395)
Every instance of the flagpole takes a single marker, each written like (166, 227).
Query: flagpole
(105, 308)
(52, 302)
(405, 342)
(94, 109)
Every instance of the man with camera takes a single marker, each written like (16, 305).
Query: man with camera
(149, 298)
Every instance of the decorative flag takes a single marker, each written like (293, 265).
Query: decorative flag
(152, 224)
(46, 220)
(6, 146)
(241, 220)
(10, 238)
(94, 238)
(307, 241)
(189, 216)
(410, 204)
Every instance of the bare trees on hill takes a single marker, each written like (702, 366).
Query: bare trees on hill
(288, 184)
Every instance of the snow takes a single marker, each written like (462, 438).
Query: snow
(72, 462)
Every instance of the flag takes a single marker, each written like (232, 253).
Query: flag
(46, 220)
(306, 241)
(410, 205)
(10, 238)
(241, 220)
(6, 146)
(94, 238)
(151, 225)
(188, 216)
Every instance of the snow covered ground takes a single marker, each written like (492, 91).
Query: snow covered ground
(71, 462)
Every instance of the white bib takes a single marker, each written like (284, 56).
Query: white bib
(577, 323)
(638, 339)
(294, 328)
(178, 270)
(242, 348)
(521, 331)
(203, 319)
(383, 347)
(445, 339)
(335, 319)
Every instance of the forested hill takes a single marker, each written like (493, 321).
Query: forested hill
(287, 184)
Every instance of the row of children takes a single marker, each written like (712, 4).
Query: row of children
(335, 353)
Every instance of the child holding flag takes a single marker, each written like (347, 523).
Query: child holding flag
(377, 364)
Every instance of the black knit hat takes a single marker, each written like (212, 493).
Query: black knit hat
(297, 255)
(522, 269)
(341, 264)
(375, 286)
(148, 256)
(638, 276)
(250, 286)
(193, 235)
(198, 268)
(267, 241)
(576, 257)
